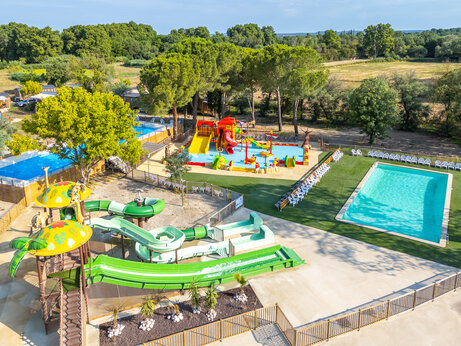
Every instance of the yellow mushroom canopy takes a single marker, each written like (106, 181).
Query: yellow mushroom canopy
(59, 195)
(63, 236)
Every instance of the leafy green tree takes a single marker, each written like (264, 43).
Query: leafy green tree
(378, 39)
(447, 91)
(20, 144)
(58, 70)
(86, 40)
(6, 130)
(305, 73)
(203, 54)
(176, 165)
(168, 82)
(92, 73)
(87, 128)
(327, 101)
(373, 106)
(411, 92)
(121, 87)
(31, 88)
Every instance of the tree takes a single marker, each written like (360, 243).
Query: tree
(31, 88)
(168, 82)
(410, 91)
(242, 282)
(447, 91)
(20, 144)
(378, 39)
(6, 130)
(58, 70)
(121, 87)
(305, 73)
(211, 298)
(87, 128)
(194, 295)
(373, 105)
(327, 101)
(92, 73)
(203, 55)
(176, 165)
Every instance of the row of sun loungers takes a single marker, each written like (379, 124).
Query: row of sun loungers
(302, 189)
(410, 159)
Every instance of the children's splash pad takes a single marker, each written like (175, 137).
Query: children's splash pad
(216, 144)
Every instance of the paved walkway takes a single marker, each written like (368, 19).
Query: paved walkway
(431, 324)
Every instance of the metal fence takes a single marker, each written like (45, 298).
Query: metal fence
(325, 330)
(218, 330)
(235, 199)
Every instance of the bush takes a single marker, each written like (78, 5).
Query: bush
(123, 59)
(27, 76)
(136, 63)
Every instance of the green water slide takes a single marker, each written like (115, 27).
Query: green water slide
(148, 208)
(178, 276)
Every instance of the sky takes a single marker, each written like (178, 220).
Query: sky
(285, 16)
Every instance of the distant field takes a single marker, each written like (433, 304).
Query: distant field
(353, 74)
(130, 73)
(7, 85)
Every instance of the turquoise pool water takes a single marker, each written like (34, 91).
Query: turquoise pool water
(401, 200)
(145, 130)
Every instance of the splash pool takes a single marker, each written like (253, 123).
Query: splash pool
(409, 202)
(280, 151)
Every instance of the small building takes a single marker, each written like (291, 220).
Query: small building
(44, 95)
(49, 88)
(132, 96)
(5, 100)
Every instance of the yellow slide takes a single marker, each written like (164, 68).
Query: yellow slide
(200, 144)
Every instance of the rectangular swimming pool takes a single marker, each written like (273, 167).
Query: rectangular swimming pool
(409, 202)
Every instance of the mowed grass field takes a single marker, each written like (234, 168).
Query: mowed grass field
(354, 73)
(323, 202)
(130, 73)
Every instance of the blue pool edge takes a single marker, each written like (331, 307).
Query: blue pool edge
(446, 208)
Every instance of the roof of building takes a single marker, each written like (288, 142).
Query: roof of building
(44, 95)
(48, 86)
(5, 95)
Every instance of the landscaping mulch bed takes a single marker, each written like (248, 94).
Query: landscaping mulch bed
(132, 335)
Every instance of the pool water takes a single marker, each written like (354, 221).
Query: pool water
(145, 130)
(279, 151)
(32, 167)
(402, 200)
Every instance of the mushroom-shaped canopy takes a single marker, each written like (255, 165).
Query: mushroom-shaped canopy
(63, 236)
(59, 195)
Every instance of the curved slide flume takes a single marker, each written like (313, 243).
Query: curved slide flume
(149, 207)
(231, 143)
(179, 276)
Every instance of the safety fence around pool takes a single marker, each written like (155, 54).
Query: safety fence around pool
(235, 199)
(315, 332)
(12, 214)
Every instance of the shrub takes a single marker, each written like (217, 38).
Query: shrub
(194, 294)
(148, 305)
(211, 298)
(242, 282)
(136, 63)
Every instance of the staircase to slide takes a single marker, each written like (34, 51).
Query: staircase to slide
(72, 325)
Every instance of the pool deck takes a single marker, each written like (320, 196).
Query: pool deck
(154, 165)
(446, 209)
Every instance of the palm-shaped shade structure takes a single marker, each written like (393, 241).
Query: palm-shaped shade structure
(60, 195)
(55, 239)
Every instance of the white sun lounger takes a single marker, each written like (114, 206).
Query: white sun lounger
(427, 162)
(386, 156)
(421, 161)
(414, 159)
(359, 152)
(444, 165)
(451, 165)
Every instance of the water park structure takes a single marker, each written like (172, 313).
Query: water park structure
(216, 144)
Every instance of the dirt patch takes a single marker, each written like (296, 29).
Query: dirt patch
(132, 335)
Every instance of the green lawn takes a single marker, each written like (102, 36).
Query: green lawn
(320, 206)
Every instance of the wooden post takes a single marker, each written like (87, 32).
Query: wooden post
(176, 255)
(123, 247)
(150, 255)
(414, 300)
(276, 312)
(328, 328)
(42, 290)
(220, 329)
(433, 290)
(82, 268)
(295, 338)
(184, 338)
(360, 318)
(388, 308)
(256, 319)
(456, 281)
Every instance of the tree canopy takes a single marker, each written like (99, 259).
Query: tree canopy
(373, 105)
(86, 128)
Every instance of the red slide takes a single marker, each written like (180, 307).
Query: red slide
(230, 142)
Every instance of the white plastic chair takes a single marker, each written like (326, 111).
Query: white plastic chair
(414, 160)
(354, 153)
(392, 156)
(421, 161)
(380, 155)
(437, 163)
(451, 165)
(370, 153)
(427, 162)
(359, 152)
(386, 156)
(444, 165)
(458, 166)
(403, 158)
(397, 157)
